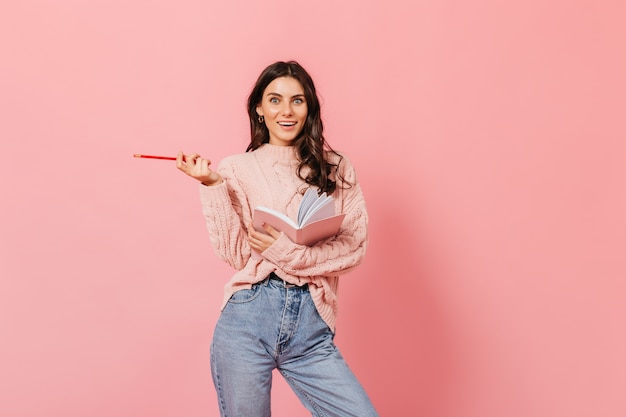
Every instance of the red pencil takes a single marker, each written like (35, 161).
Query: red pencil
(169, 158)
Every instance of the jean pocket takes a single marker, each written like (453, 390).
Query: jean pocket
(245, 295)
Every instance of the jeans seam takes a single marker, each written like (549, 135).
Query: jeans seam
(296, 386)
(279, 343)
(218, 386)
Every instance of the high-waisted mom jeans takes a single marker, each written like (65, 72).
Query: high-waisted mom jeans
(275, 325)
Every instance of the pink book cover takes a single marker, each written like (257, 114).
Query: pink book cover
(307, 235)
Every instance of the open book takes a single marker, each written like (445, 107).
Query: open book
(316, 220)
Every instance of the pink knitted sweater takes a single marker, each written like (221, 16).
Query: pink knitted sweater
(267, 177)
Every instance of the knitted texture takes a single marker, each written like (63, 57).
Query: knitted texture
(267, 177)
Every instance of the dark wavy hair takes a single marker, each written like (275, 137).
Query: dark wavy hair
(310, 144)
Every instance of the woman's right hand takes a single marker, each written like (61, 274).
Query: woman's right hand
(197, 167)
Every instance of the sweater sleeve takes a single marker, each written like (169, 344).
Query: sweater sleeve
(224, 207)
(333, 256)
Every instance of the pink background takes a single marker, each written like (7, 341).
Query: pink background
(490, 141)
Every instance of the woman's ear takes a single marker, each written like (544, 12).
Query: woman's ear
(259, 111)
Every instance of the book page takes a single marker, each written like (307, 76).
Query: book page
(309, 198)
(320, 212)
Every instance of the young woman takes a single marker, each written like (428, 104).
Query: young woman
(280, 306)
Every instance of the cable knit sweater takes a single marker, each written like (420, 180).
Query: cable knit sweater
(267, 177)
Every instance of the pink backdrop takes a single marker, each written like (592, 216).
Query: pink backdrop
(490, 141)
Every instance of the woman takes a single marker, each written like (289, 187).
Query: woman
(280, 306)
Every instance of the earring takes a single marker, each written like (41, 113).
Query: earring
(261, 119)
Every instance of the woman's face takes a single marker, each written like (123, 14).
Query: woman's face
(284, 108)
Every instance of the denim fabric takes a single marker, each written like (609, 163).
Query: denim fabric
(275, 325)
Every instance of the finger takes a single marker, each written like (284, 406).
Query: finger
(204, 166)
(253, 241)
(265, 239)
(271, 231)
(179, 161)
(201, 169)
(253, 233)
(255, 236)
(193, 158)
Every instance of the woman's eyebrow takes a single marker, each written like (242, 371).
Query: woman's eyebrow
(280, 95)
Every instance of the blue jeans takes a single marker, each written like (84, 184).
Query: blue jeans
(275, 325)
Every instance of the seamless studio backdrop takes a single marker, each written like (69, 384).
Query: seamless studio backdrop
(490, 142)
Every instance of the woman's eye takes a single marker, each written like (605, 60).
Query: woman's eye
(273, 100)
(298, 101)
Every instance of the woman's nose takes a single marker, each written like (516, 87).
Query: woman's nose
(286, 109)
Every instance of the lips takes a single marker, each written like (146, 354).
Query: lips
(287, 124)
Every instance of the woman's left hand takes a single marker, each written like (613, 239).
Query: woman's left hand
(261, 241)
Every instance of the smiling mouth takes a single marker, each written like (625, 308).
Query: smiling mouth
(287, 124)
